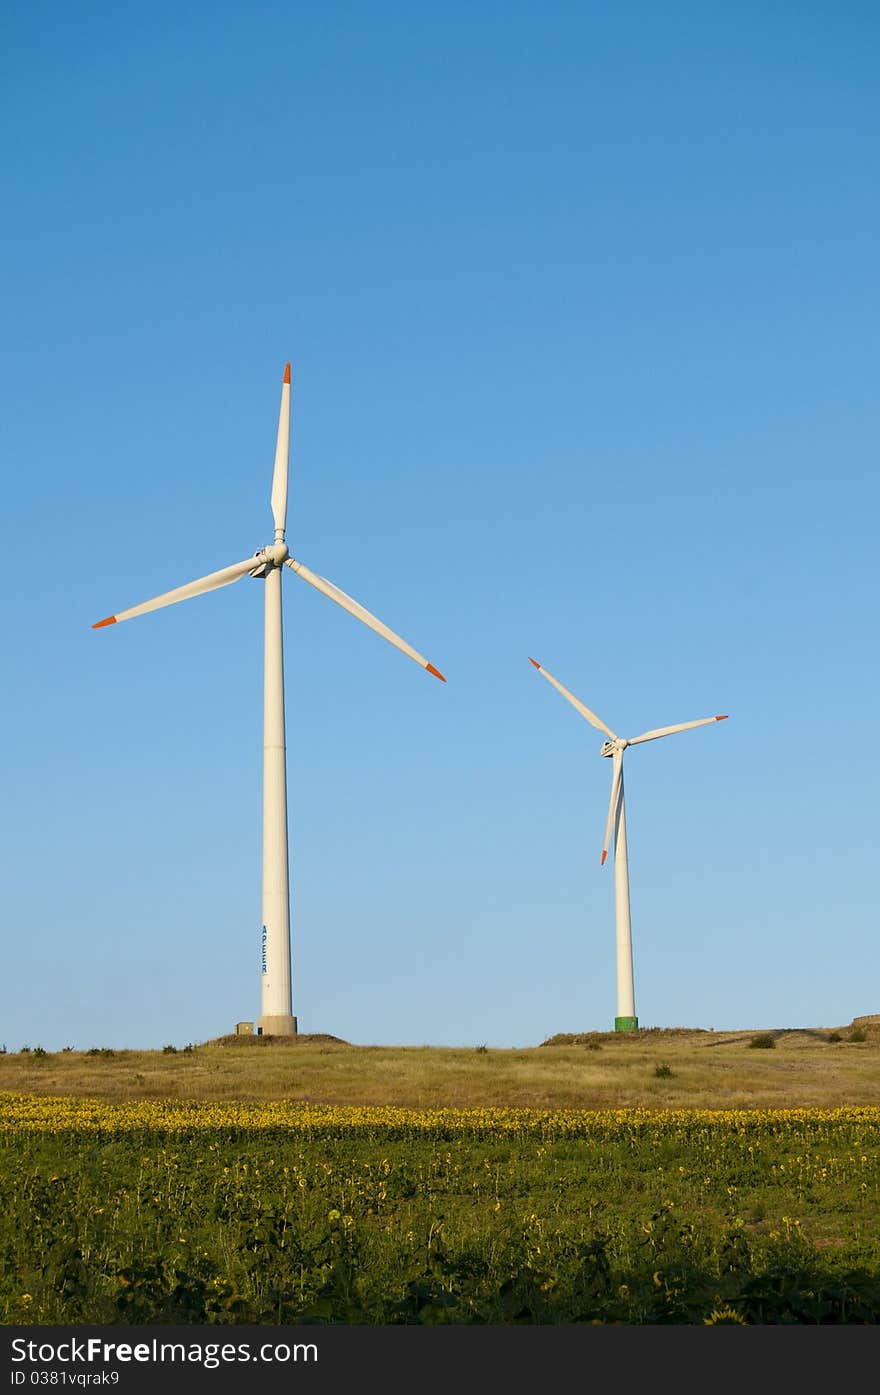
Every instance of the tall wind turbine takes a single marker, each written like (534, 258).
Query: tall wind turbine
(277, 1017)
(614, 747)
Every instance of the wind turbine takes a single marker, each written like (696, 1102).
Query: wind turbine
(277, 1017)
(614, 747)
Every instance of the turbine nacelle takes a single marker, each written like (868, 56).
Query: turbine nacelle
(275, 555)
(619, 744)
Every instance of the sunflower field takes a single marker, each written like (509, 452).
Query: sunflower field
(175, 1212)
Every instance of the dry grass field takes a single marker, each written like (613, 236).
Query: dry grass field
(663, 1069)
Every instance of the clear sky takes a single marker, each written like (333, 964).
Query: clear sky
(582, 305)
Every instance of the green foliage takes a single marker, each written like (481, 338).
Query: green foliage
(858, 1035)
(663, 1071)
(644, 1221)
(764, 1041)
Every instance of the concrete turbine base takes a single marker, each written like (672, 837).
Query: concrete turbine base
(277, 1026)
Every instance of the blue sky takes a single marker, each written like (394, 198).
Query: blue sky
(582, 305)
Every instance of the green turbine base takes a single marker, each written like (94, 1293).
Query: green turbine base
(626, 1024)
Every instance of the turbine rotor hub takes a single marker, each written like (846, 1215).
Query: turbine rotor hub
(265, 558)
(611, 747)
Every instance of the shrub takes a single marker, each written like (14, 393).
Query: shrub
(763, 1041)
(858, 1035)
(834, 1036)
(104, 1051)
(169, 1050)
(39, 1051)
(663, 1071)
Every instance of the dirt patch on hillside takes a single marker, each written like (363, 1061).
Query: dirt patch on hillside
(302, 1039)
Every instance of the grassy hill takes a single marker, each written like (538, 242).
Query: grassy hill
(655, 1068)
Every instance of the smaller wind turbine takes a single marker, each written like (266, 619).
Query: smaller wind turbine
(614, 747)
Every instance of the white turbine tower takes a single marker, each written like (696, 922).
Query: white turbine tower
(614, 747)
(277, 1017)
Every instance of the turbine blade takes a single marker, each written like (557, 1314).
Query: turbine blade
(333, 593)
(616, 771)
(575, 702)
(282, 456)
(669, 731)
(225, 577)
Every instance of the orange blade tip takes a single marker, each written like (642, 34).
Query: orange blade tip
(535, 662)
(604, 855)
(111, 620)
(724, 718)
(436, 672)
(287, 372)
